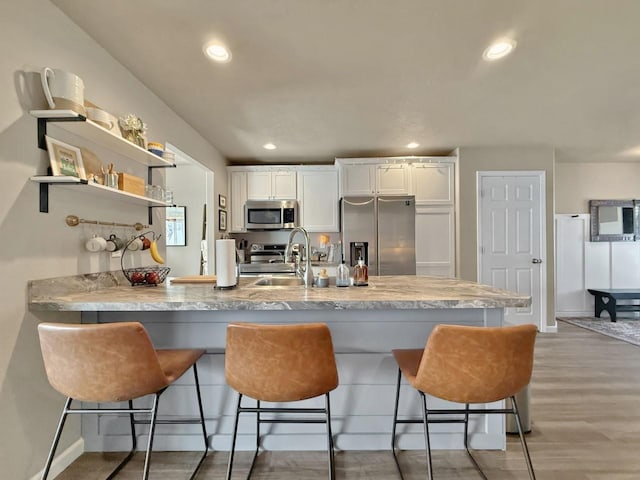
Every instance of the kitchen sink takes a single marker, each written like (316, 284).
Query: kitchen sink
(278, 282)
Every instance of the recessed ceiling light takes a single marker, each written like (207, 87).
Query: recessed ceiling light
(413, 145)
(499, 49)
(269, 146)
(218, 52)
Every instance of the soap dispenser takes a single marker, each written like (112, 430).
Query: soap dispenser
(361, 274)
(342, 275)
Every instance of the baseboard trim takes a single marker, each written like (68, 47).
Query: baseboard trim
(63, 460)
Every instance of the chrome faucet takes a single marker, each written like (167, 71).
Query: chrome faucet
(305, 273)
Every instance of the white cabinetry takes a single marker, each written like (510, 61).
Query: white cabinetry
(435, 241)
(357, 179)
(361, 177)
(433, 183)
(393, 179)
(238, 197)
(582, 264)
(271, 184)
(318, 198)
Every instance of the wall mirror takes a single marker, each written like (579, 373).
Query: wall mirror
(614, 220)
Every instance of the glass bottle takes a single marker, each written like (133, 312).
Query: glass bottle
(361, 274)
(342, 275)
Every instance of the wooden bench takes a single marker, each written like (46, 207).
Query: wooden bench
(611, 303)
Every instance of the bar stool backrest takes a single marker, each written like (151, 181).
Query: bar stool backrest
(108, 362)
(476, 364)
(280, 363)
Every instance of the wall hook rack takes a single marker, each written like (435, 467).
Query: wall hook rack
(74, 220)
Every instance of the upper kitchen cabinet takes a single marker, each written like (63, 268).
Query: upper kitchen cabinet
(374, 176)
(238, 197)
(433, 182)
(271, 183)
(393, 179)
(318, 198)
(357, 179)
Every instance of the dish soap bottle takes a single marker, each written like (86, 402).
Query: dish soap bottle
(342, 275)
(361, 274)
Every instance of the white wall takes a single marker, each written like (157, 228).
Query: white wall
(34, 245)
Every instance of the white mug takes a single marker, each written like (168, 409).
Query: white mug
(96, 244)
(135, 245)
(63, 90)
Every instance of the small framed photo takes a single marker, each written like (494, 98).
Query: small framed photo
(65, 159)
(176, 226)
(222, 201)
(222, 220)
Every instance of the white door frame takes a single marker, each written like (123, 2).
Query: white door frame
(541, 174)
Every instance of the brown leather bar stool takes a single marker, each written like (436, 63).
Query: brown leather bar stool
(280, 363)
(469, 365)
(113, 362)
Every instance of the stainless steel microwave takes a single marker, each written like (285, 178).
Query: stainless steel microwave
(270, 214)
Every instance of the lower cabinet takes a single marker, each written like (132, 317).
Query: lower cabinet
(435, 241)
(318, 199)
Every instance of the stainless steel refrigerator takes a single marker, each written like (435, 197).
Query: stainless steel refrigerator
(383, 231)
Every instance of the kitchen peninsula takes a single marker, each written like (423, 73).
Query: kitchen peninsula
(366, 323)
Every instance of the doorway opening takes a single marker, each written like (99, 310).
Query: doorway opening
(192, 187)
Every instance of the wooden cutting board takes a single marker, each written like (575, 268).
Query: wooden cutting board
(195, 279)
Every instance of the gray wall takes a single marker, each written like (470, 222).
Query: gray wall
(577, 183)
(475, 159)
(34, 34)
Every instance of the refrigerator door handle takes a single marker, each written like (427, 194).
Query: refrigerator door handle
(359, 204)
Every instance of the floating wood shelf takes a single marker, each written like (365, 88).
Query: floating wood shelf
(78, 125)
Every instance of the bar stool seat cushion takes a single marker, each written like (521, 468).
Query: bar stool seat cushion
(175, 363)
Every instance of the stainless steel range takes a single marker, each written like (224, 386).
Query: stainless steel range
(266, 259)
(267, 252)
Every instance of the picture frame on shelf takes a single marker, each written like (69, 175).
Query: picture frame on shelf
(176, 226)
(65, 159)
(222, 201)
(222, 220)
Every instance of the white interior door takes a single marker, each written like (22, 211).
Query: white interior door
(511, 239)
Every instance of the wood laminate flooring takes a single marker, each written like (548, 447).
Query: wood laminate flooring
(586, 425)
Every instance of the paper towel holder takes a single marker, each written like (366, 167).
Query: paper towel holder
(231, 287)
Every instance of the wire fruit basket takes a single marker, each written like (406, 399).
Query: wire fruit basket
(144, 276)
(149, 276)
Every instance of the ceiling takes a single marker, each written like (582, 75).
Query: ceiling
(327, 78)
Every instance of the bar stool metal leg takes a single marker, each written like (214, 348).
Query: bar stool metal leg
(332, 462)
(134, 444)
(202, 421)
(523, 441)
(233, 438)
(466, 441)
(56, 438)
(395, 424)
(255, 454)
(425, 419)
(152, 428)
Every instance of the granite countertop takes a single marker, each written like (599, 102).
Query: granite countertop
(110, 292)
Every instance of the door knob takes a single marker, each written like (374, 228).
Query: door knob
(536, 260)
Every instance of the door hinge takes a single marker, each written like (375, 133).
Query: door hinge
(482, 250)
